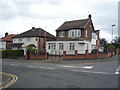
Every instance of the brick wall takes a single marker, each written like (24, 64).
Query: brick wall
(87, 56)
(76, 56)
(118, 51)
(37, 56)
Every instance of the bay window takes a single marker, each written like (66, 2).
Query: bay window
(74, 33)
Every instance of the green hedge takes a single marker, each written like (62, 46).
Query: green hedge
(12, 53)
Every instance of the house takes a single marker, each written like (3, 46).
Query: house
(74, 35)
(35, 37)
(6, 42)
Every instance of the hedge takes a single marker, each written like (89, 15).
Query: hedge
(12, 53)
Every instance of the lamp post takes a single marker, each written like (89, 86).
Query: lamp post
(112, 31)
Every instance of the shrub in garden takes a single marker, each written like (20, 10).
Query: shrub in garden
(12, 53)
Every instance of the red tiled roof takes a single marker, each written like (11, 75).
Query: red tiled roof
(7, 38)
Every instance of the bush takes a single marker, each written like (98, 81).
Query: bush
(12, 53)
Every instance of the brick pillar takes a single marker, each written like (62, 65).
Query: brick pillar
(86, 52)
(64, 54)
(30, 56)
(76, 52)
(97, 54)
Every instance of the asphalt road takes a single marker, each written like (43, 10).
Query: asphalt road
(49, 75)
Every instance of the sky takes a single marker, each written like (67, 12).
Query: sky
(18, 16)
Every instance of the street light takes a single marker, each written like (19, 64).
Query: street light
(112, 31)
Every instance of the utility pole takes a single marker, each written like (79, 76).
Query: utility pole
(112, 31)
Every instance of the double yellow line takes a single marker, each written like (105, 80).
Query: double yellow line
(14, 79)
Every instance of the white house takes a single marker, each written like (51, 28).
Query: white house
(74, 35)
(35, 37)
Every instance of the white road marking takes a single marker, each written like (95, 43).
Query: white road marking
(86, 67)
(47, 67)
(14, 64)
(67, 66)
(40, 67)
(32, 66)
(91, 72)
(117, 70)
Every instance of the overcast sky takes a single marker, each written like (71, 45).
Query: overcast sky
(21, 15)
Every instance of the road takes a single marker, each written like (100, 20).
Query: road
(50, 75)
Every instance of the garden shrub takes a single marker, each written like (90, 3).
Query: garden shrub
(12, 53)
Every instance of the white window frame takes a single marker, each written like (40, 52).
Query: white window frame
(72, 46)
(61, 34)
(51, 46)
(28, 39)
(20, 39)
(93, 36)
(61, 46)
(74, 33)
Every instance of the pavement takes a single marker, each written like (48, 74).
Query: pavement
(113, 58)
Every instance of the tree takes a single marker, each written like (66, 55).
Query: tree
(110, 46)
(30, 49)
(103, 42)
(117, 42)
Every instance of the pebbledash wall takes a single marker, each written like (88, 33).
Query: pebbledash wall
(77, 56)
(81, 46)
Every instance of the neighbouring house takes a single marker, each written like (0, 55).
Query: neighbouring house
(35, 37)
(74, 35)
(6, 42)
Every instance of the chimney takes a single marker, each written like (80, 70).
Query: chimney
(6, 34)
(33, 27)
(90, 16)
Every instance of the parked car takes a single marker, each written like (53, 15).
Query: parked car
(94, 51)
(99, 50)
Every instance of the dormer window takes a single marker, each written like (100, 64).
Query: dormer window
(74, 33)
(61, 34)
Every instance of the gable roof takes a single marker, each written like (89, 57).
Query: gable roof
(8, 37)
(35, 32)
(75, 24)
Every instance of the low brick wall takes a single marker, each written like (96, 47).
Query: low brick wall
(87, 56)
(118, 51)
(33, 57)
(38, 57)
(76, 56)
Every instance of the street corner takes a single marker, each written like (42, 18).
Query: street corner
(7, 80)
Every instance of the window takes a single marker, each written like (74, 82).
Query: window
(86, 33)
(36, 39)
(74, 33)
(61, 34)
(61, 46)
(72, 46)
(14, 40)
(20, 39)
(87, 47)
(51, 46)
(28, 39)
(93, 36)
